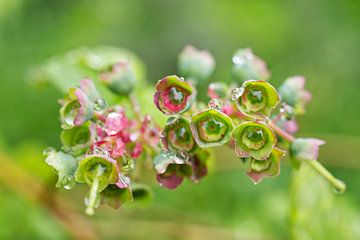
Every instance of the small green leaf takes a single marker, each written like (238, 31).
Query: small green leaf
(65, 165)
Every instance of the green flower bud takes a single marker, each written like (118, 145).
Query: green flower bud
(211, 128)
(65, 165)
(253, 139)
(305, 149)
(270, 167)
(248, 66)
(293, 93)
(195, 65)
(256, 98)
(173, 95)
(177, 135)
(121, 80)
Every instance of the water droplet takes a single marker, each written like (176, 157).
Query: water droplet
(339, 187)
(182, 156)
(215, 104)
(69, 182)
(97, 150)
(100, 104)
(238, 60)
(236, 93)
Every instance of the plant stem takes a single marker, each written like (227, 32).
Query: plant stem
(338, 185)
(93, 194)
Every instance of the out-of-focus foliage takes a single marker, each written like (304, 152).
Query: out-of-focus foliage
(317, 39)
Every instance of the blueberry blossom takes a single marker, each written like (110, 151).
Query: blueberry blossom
(177, 135)
(211, 128)
(195, 65)
(254, 139)
(173, 95)
(256, 98)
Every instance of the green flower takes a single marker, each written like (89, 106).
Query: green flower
(195, 65)
(248, 66)
(211, 128)
(97, 171)
(254, 139)
(270, 167)
(177, 135)
(256, 98)
(99, 167)
(173, 95)
(76, 140)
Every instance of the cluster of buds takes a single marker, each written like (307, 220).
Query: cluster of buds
(248, 115)
(101, 144)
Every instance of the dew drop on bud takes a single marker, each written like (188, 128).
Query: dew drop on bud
(236, 93)
(215, 104)
(100, 104)
(97, 150)
(182, 155)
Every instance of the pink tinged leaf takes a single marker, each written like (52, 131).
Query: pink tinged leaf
(85, 110)
(170, 181)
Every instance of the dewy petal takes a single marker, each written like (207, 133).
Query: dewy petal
(177, 135)
(305, 149)
(170, 181)
(164, 159)
(173, 95)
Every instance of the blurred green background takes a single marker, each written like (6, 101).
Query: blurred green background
(318, 39)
